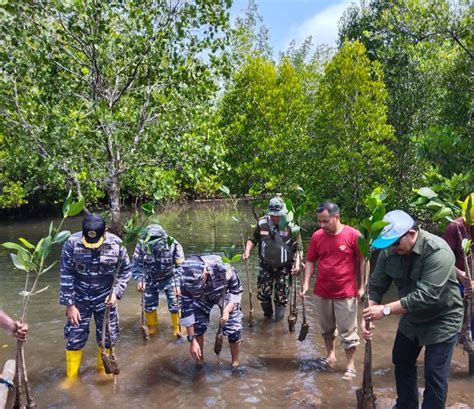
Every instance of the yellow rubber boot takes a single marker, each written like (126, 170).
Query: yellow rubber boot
(73, 363)
(175, 324)
(100, 362)
(151, 319)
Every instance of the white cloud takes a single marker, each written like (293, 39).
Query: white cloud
(322, 26)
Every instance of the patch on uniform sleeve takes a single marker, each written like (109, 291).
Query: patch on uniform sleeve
(264, 233)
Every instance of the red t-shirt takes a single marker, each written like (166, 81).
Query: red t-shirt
(337, 257)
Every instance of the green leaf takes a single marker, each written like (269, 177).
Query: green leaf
(295, 230)
(235, 258)
(67, 204)
(18, 262)
(148, 208)
(433, 205)
(61, 237)
(26, 243)
(225, 259)
(301, 191)
(76, 207)
(443, 213)
(427, 192)
(225, 190)
(378, 226)
(378, 213)
(466, 246)
(43, 248)
(372, 203)
(14, 246)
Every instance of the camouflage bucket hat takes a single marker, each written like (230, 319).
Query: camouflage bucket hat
(277, 207)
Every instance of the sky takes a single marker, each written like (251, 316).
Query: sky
(297, 19)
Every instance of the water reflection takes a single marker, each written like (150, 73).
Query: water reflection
(279, 371)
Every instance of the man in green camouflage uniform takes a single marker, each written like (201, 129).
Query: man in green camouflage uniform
(277, 254)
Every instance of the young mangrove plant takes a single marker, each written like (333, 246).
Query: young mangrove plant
(135, 230)
(370, 228)
(294, 219)
(240, 220)
(32, 259)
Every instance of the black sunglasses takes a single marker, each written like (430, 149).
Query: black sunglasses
(395, 244)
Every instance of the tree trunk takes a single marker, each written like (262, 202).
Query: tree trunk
(113, 190)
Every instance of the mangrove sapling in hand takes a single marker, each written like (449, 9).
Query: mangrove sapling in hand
(370, 229)
(294, 219)
(134, 231)
(239, 221)
(32, 259)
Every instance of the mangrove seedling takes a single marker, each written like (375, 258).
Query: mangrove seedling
(370, 228)
(32, 259)
(240, 221)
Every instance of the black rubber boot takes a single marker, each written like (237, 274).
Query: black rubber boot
(267, 309)
(279, 312)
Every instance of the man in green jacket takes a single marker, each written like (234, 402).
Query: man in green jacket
(421, 265)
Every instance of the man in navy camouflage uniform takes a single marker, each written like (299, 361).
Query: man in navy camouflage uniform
(92, 262)
(205, 280)
(156, 267)
(277, 250)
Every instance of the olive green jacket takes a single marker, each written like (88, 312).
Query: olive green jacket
(427, 287)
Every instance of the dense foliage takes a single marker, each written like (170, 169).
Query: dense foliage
(129, 100)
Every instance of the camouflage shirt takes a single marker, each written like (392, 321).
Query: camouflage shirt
(89, 273)
(197, 293)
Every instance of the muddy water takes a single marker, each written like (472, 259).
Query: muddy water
(279, 371)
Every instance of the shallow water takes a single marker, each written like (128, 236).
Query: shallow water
(278, 370)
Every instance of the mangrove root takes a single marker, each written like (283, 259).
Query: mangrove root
(303, 331)
(145, 332)
(218, 343)
(291, 322)
(251, 318)
(114, 364)
(365, 400)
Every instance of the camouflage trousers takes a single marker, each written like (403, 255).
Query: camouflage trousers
(152, 294)
(275, 281)
(76, 337)
(232, 328)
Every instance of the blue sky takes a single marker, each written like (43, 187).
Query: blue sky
(297, 19)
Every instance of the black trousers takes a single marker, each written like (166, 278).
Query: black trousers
(437, 362)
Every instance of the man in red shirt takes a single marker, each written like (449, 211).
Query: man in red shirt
(334, 247)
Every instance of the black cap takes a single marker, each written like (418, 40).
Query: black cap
(93, 229)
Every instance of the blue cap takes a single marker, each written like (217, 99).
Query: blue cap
(399, 223)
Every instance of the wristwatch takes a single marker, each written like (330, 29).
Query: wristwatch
(190, 338)
(386, 310)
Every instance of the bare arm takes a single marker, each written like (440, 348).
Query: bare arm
(308, 272)
(248, 248)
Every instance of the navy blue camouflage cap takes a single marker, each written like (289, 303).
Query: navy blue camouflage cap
(277, 207)
(93, 229)
(155, 231)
